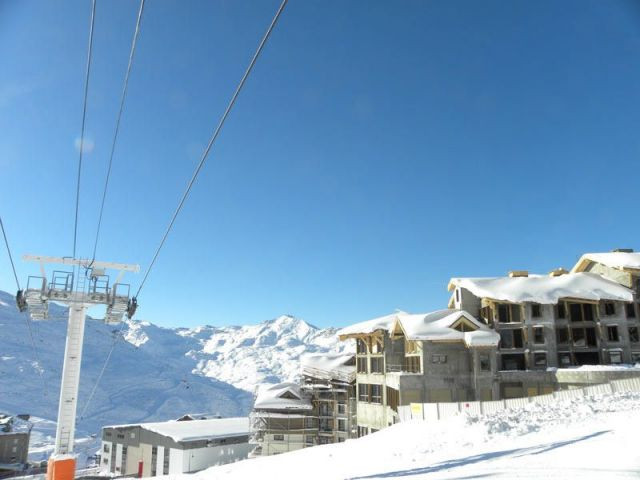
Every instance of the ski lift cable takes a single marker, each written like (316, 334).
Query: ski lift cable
(117, 129)
(6, 242)
(84, 116)
(26, 317)
(104, 367)
(216, 132)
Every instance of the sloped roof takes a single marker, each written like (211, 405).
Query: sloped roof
(545, 289)
(434, 326)
(275, 397)
(438, 326)
(619, 260)
(370, 326)
(329, 366)
(197, 429)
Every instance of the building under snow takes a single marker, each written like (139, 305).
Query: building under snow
(317, 411)
(14, 442)
(501, 337)
(174, 447)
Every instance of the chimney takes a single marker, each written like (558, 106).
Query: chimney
(557, 272)
(622, 250)
(518, 273)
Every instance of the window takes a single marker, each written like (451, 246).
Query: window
(635, 357)
(562, 335)
(561, 310)
(323, 440)
(615, 357)
(538, 335)
(631, 310)
(511, 338)
(121, 435)
(581, 312)
(513, 362)
(377, 346)
(108, 434)
(309, 439)
(508, 313)
(584, 337)
(362, 431)
(165, 463)
(612, 333)
(536, 310)
(634, 335)
(609, 308)
(412, 364)
(486, 314)
(342, 425)
(438, 358)
(458, 295)
(540, 360)
(361, 346)
(308, 422)
(133, 435)
(278, 438)
(377, 365)
(363, 392)
(564, 359)
(342, 408)
(485, 362)
(105, 449)
(154, 460)
(376, 393)
(362, 365)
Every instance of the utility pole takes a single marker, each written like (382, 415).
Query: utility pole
(87, 285)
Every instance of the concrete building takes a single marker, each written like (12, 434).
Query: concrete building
(442, 356)
(174, 447)
(317, 411)
(14, 442)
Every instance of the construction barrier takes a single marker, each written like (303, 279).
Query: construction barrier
(439, 411)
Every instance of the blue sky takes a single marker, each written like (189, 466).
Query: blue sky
(378, 149)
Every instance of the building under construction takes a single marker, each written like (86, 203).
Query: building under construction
(319, 410)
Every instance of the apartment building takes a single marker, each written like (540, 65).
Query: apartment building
(173, 447)
(403, 358)
(318, 410)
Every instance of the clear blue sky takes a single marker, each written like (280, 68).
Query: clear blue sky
(378, 149)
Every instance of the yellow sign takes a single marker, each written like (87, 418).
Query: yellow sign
(416, 410)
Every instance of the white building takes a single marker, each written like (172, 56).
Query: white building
(174, 447)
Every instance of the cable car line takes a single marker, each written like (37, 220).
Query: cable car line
(117, 129)
(84, 115)
(26, 317)
(211, 142)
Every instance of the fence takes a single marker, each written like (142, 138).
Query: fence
(439, 411)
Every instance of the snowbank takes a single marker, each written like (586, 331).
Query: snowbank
(588, 439)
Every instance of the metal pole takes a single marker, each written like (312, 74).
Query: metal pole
(65, 429)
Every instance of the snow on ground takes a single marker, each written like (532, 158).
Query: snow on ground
(591, 438)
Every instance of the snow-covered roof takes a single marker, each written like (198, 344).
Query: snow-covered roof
(282, 396)
(545, 289)
(433, 326)
(197, 429)
(370, 326)
(329, 366)
(619, 260)
(438, 326)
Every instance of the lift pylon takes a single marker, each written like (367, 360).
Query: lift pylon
(85, 286)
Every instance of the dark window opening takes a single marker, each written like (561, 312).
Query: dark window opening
(631, 310)
(363, 392)
(362, 365)
(376, 393)
(361, 346)
(581, 312)
(540, 360)
(513, 362)
(584, 337)
(511, 338)
(564, 359)
(485, 362)
(634, 335)
(538, 335)
(612, 333)
(377, 365)
(561, 311)
(609, 308)
(587, 358)
(536, 311)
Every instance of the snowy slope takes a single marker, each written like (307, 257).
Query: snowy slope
(156, 373)
(592, 438)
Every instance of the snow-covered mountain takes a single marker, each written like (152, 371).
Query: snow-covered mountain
(154, 373)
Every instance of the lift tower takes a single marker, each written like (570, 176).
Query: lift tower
(87, 285)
